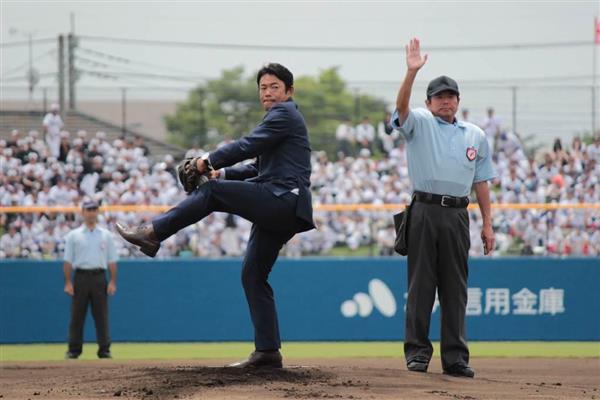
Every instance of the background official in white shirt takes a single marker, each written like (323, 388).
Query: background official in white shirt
(89, 251)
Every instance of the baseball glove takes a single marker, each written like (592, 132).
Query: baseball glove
(189, 176)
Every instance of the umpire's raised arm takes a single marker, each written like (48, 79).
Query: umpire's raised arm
(414, 62)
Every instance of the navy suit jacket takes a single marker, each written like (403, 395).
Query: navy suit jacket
(282, 150)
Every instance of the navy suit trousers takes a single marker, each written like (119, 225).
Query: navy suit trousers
(274, 223)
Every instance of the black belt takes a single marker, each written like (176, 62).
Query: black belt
(441, 200)
(95, 271)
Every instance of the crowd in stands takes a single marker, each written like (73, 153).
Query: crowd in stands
(370, 167)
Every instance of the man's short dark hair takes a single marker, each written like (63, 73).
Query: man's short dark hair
(279, 71)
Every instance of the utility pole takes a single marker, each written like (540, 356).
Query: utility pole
(203, 117)
(596, 43)
(72, 71)
(61, 72)
(45, 100)
(357, 116)
(31, 78)
(514, 109)
(123, 111)
(593, 133)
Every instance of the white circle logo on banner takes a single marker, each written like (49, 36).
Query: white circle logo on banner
(349, 308)
(365, 305)
(382, 297)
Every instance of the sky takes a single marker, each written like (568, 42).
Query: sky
(463, 40)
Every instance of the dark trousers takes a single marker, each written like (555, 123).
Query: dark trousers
(438, 248)
(274, 223)
(89, 289)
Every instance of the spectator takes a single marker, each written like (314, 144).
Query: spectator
(387, 136)
(10, 243)
(491, 127)
(53, 124)
(64, 147)
(577, 243)
(345, 137)
(139, 143)
(534, 237)
(15, 135)
(465, 115)
(365, 134)
(31, 176)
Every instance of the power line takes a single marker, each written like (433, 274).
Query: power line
(521, 82)
(26, 42)
(104, 55)
(26, 63)
(107, 57)
(146, 75)
(117, 67)
(112, 75)
(239, 46)
(91, 62)
(22, 78)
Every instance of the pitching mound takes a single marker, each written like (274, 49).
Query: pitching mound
(314, 379)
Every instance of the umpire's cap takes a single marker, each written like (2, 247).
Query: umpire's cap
(441, 84)
(90, 205)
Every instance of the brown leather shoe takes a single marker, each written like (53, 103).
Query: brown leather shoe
(261, 359)
(142, 236)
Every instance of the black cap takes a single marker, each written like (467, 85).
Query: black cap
(441, 84)
(90, 205)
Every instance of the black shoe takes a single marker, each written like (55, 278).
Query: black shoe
(142, 236)
(71, 356)
(105, 354)
(460, 370)
(417, 366)
(261, 359)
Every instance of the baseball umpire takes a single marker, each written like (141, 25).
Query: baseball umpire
(446, 158)
(273, 193)
(90, 251)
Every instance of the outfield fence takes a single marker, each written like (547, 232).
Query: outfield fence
(318, 299)
(317, 207)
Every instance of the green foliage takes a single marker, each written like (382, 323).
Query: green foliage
(228, 107)
(587, 138)
(530, 145)
(220, 108)
(344, 251)
(515, 248)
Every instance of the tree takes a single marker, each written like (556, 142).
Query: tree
(228, 107)
(219, 108)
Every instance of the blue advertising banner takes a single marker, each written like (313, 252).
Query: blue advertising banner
(317, 299)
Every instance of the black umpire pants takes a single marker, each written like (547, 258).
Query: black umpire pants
(89, 288)
(274, 223)
(438, 248)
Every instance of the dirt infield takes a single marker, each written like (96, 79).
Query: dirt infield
(301, 379)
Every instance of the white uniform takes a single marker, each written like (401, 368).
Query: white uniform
(53, 124)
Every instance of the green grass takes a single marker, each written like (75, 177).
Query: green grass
(293, 350)
(362, 251)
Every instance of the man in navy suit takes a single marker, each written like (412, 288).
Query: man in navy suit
(273, 193)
